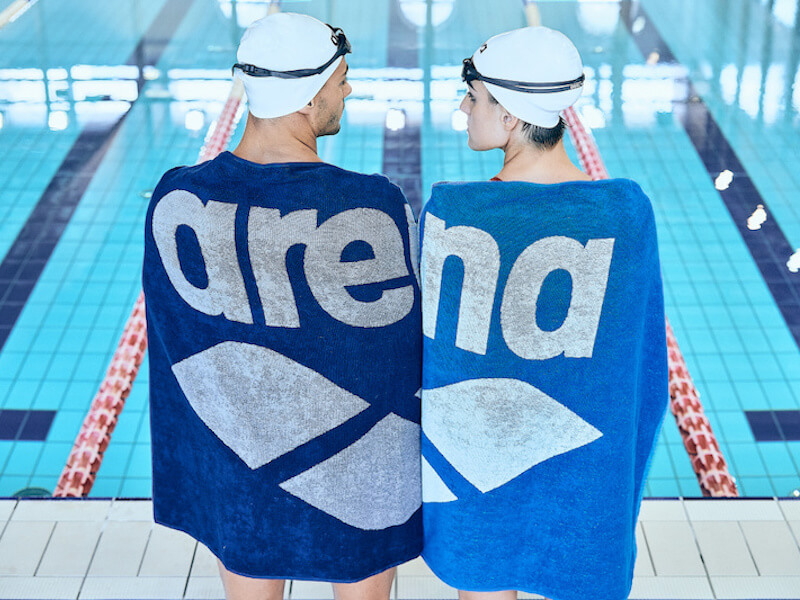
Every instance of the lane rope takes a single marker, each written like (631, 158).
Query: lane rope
(94, 436)
(708, 462)
(86, 456)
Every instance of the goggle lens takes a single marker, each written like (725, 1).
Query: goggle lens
(468, 71)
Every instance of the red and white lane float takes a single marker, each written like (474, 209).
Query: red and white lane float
(86, 456)
(698, 438)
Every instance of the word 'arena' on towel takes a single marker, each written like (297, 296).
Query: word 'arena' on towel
(270, 236)
(329, 277)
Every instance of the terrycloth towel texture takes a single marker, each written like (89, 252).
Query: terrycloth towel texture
(544, 383)
(283, 314)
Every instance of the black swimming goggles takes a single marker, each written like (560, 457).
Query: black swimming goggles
(337, 37)
(470, 73)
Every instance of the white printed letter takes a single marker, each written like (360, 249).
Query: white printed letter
(328, 277)
(269, 239)
(481, 257)
(413, 240)
(588, 268)
(214, 226)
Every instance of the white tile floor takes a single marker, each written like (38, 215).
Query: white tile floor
(688, 550)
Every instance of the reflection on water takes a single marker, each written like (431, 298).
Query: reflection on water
(58, 96)
(794, 266)
(416, 11)
(757, 219)
(598, 18)
(89, 94)
(723, 180)
(243, 13)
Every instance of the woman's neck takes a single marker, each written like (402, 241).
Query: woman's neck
(524, 162)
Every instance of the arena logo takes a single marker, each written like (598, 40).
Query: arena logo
(493, 429)
(262, 404)
(270, 236)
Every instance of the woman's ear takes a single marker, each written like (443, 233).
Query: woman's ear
(509, 121)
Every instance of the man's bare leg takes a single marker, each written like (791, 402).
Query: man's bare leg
(238, 587)
(504, 595)
(377, 587)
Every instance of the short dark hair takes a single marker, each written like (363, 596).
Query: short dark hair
(543, 138)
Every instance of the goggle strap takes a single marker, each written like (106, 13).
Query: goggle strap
(337, 37)
(469, 73)
(536, 88)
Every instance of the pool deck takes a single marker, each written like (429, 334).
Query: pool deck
(688, 549)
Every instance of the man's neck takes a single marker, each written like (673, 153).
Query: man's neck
(523, 162)
(284, 141)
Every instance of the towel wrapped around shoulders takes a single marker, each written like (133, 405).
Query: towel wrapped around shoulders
(544, 383)
(283, 316)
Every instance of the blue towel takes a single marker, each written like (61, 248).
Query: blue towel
(544, 383)
(283, 315)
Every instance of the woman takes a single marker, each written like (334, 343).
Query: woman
(545, 369)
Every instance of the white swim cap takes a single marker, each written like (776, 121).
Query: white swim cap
(546, 64)
(280, 62)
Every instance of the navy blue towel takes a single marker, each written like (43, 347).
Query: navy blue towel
(544, 383)
(283, 315)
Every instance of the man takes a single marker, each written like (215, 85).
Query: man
(283, 316)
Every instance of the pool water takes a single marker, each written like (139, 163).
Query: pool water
(98, 100)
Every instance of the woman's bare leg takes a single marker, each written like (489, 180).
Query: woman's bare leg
(377, 587)
(238, 587)
(504, 595)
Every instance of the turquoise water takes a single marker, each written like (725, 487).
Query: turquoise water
(737, 345)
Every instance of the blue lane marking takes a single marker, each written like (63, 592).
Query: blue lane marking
(25, 424)
(774, 425)
(28, 255)
(768, 245)
(402, 148)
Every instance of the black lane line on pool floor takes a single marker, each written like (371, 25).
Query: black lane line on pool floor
(28, 255)
(25, 425)
(774, 425)
(768, 245)
(402, 148)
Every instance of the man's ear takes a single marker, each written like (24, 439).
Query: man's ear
(306, 110)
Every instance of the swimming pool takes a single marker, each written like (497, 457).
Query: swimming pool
(97, 101)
